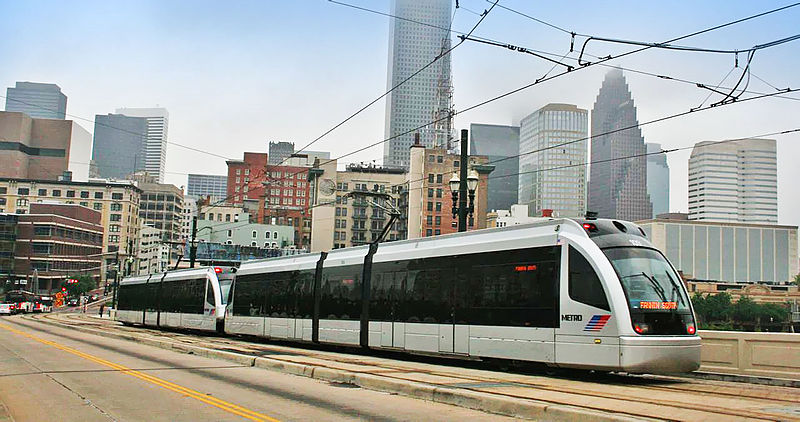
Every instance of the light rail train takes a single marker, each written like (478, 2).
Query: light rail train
(588, 294)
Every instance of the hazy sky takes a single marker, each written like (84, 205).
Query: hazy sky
(236, 75)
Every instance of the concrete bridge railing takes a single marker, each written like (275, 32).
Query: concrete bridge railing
(775, 355)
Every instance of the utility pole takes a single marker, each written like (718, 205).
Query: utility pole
(462, 187)
(193, 243)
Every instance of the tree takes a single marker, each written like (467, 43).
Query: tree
(797, 279)
(746, 311)
(773, 312)
(84, 284)
(718, 307)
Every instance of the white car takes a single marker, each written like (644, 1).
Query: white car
(7, 308)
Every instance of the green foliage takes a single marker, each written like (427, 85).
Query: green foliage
(746, 310)
(717, 312)
(797, 279)
(85, 283)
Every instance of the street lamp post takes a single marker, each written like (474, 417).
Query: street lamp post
(463, 186)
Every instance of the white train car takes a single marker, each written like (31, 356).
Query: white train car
(591, 294)
(192, 299)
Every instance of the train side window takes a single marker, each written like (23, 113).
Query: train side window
(509, 288)
(584, 285)
(210, 293)
(340, 296)
(249, 295)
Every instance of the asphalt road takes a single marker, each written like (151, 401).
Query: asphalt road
(50, 373)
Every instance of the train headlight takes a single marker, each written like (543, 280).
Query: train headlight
(641, 328)
(690, 329)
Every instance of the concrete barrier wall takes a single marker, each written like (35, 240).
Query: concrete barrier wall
(754, 354)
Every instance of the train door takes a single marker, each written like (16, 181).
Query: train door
(588, 333)
(386, 296)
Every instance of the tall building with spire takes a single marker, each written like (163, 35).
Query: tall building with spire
(617, 185)
(419, 35)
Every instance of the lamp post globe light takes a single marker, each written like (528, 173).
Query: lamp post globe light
(463, 186)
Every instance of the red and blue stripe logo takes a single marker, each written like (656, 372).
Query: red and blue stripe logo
(597, 323)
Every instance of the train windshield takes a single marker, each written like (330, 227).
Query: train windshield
(225, 286)
(649, 281)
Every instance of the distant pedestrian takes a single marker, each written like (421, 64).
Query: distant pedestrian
(102, 306)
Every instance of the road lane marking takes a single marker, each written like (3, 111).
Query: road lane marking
(213, 401)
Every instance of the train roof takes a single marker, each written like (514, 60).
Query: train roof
(285, 263)
(169, 275)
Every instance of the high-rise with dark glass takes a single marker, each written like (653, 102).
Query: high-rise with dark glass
(40, 101)
(501, 145)
(119, 143)
(617, 185)
(415, 39)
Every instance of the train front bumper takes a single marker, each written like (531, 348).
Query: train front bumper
(659, 354)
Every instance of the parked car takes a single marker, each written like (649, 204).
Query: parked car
(7, 309)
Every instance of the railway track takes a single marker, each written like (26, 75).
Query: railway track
(648, 396)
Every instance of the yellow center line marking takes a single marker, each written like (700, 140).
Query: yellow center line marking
(213, 401)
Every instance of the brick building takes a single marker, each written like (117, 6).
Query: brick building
(57, 240)
(430, 201)
(117, 202)
(282, 191)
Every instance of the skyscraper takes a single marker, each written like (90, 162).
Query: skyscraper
(155, 147)
(553, 177)
(657, 179)
(201, 185)
(617, 186)
(279, 152)
(735, 181)
(119, 142)
(501, 145)
(40, 101)
(420, 35)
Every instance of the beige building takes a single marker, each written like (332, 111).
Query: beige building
(118, 202)
(42, 148)
(341, 217)
(222, 212)
(162, 208)
(430, 203)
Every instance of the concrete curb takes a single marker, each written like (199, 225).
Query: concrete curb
(491, 403)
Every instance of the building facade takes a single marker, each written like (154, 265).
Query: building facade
(734, 181)
(727, 252)
(552, 153)
(155, 144)
(657, 179)
(33, 148)
(344, 215)
(518, 214)
(119, 145)
(55, 241)
(429, 197)
(500, 144)
(279, 152)
(244, 233)
(412, 46)
(161, 207)
(617, 185)
(245, 177)
(37, 100)
(202, 185)
(117, 202)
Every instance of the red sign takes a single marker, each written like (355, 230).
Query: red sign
(521, 268)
